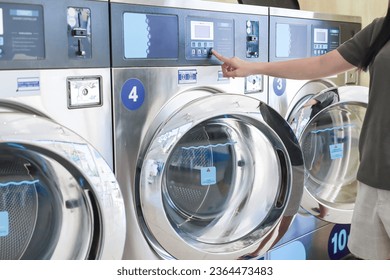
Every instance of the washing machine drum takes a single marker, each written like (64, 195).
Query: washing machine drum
(58, 197)
(221, 179)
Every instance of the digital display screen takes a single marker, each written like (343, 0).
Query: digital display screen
(202, 30)
(150, 36)
(320, 36)
(24, 13)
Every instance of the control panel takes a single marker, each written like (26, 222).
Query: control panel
(204, 34)
(167, 36)
(325, 39)
(201, 39)
(292, 38)
(47, 34)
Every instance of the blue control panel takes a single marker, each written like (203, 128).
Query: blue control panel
(292, 38)
(147, 36)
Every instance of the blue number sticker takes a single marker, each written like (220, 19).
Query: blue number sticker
(338, 241)
(279, 86)
(133, 94)
(208, 175)
(4, 223)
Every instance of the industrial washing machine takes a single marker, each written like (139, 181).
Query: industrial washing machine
(327, 116)
(59, 198)
(207, 169)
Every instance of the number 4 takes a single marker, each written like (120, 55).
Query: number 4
(133, 94)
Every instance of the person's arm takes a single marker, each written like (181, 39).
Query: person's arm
(310, 68)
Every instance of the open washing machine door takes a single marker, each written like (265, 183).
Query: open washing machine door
(58, 197)
(219, 177)
(329, 144)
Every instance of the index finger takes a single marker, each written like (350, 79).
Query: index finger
(219, 56)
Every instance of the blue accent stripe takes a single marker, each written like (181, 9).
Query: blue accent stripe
(331, 129)
(19, 183)
(208, 146)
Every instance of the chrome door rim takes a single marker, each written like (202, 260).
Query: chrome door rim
(314, 204)
(157, 228)
(40, 135)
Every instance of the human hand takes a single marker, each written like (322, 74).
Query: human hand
(233, 67)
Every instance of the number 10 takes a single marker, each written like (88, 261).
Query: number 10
(339, 241)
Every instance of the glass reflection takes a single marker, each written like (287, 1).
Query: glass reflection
(222, 205)
(330, 148)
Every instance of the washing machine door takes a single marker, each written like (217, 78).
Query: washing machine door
(221, 178)
(330, 150)
(58, 197)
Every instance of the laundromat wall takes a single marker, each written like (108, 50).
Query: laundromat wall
(362, 8)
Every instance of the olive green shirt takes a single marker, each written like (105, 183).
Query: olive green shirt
(374, 143)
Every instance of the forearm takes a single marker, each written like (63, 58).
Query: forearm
(306, 68)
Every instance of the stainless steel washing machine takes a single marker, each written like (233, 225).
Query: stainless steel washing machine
(59, 198)
(298, 34)
(207, 171)
(328, 131)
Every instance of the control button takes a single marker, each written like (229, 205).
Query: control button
(209, 53)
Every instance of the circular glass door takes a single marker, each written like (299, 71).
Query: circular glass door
(216, 181)
(57, 194)
(37, 208)
(330, 150)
